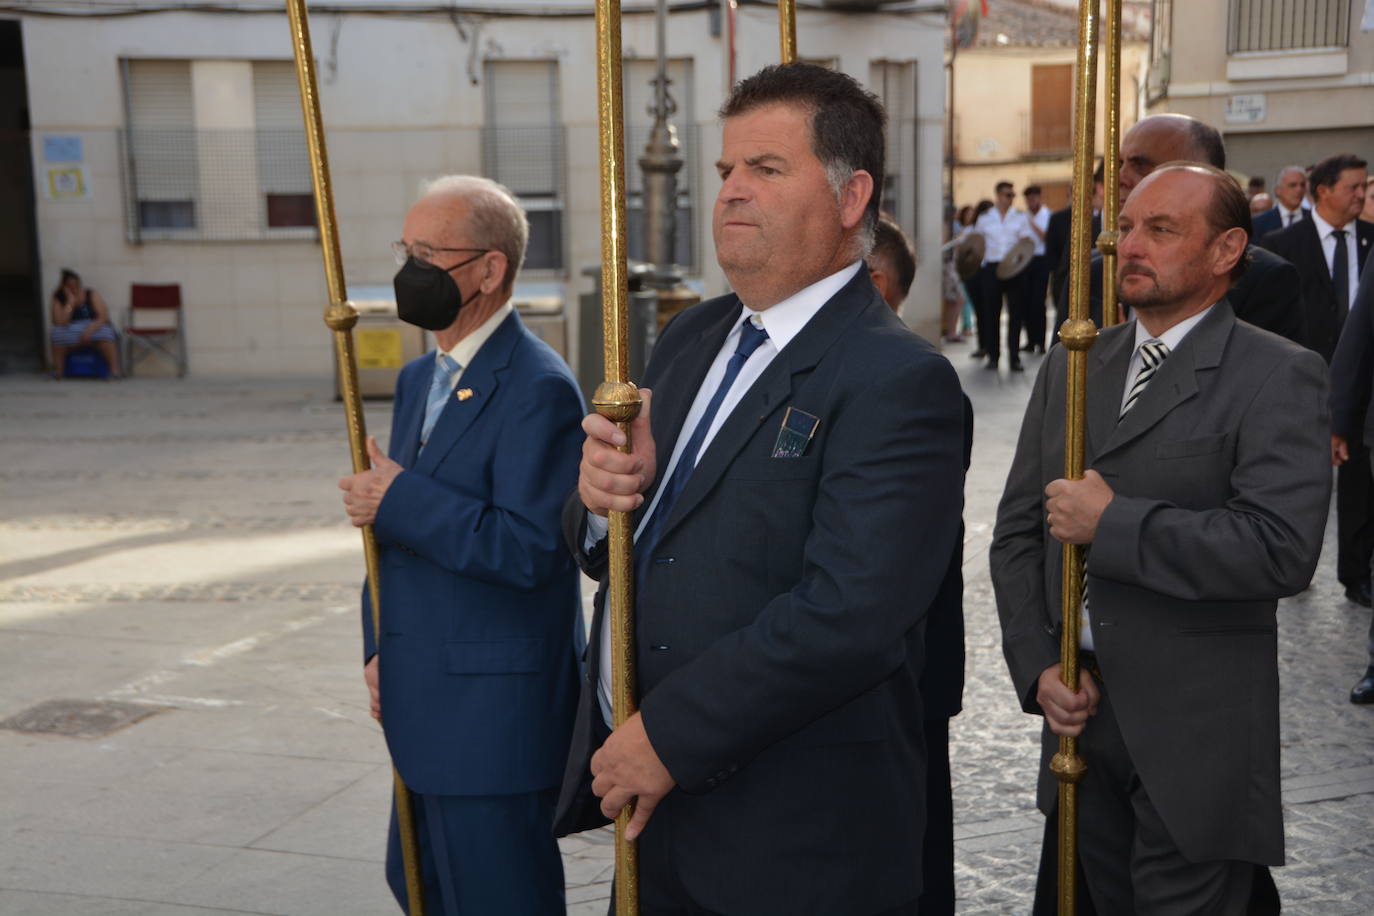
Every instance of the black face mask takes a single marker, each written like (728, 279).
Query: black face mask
(428, 296)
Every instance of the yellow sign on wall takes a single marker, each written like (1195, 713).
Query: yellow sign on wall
(67, 181)
(378, 348)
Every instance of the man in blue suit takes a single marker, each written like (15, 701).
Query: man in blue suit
(474, 675)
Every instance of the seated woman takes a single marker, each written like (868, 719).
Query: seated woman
(80, 318)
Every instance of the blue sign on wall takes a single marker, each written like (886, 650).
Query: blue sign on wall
(62, 149)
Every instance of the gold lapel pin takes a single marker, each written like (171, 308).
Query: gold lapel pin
(463, 394)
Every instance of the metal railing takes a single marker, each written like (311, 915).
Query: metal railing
(1282, 25)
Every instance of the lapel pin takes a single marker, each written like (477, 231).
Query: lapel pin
(463, 394)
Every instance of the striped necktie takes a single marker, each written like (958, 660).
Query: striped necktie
(1152, 354)
(445, 367)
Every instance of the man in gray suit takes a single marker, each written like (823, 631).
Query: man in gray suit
(1204, 503)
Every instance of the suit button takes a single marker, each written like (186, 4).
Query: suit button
(664, 561)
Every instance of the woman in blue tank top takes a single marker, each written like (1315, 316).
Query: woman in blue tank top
(80, 318)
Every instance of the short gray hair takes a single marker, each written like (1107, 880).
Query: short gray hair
(495, 218)
(1278, 176)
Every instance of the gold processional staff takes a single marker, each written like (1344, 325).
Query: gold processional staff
(341, 316)
(1078, 334)
(617, 398)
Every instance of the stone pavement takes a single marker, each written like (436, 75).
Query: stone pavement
(177, 548)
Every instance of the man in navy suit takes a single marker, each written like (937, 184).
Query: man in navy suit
(474, 675)
(1290, 192)
(1330, 274)
(796, 498)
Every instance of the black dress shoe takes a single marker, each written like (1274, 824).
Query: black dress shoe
(1359, 593)
(1016, 366)
(978, 354)
(1028, 348)
(1363, 692)
(992, 364)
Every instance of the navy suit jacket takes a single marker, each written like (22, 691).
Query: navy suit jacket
(480, 600)
(1300, 245)
(1270, 221)
(781, 624)
(1352, 368)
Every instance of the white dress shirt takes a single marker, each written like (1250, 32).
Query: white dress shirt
(1171, 339)
(1287, 217)
(1041, 220)
(782, 322)
(1352, 250)
(465, 350)
(1001, 231)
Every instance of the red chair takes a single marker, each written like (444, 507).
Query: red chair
(156, 324)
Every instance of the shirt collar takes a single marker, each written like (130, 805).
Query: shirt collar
(786, 319)
(465, 350)
(1174, 336)
(1324, 228)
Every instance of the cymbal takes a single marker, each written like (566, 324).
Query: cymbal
(968, 255)
(1016, 260)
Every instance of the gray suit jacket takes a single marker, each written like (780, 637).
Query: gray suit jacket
(1222, 477)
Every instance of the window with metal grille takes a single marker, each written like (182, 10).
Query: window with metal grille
(638, 75)
(1282, 25)
(522, 148)
(215, 150)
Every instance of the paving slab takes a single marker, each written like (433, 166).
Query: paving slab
(181, 545)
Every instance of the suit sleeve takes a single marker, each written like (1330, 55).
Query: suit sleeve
(1352, 368)
(1264, 543)
(883, 525)
(591, 560)
(1017, 555)
(511, 535)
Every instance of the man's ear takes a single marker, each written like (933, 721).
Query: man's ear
(1228, 249)
(854, 198)
(493, 271)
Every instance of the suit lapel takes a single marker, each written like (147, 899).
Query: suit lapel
(1312, 247)
(1177, 379)
(772, 390)
(1364, 237)
(1111, 358)
(476, 388)
(406, 440)
(687, 368)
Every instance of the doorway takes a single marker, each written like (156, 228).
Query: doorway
(21, 300)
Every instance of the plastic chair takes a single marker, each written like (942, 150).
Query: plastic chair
(156, 324)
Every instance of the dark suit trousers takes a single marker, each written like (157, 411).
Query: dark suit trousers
(1037, 277)
(483, 855)
(991, 291)
(937, 849)
(1354, 519)
(1130, 864)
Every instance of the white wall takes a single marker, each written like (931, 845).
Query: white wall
(399, 106)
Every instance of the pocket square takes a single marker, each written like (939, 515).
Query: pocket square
(797, 430)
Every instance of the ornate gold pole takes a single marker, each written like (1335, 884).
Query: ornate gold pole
(787, 27)
(341, 316)
(1077, 334)
(617, 399)
(1111, 162)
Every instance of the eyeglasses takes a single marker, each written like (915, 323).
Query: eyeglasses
(422, 252)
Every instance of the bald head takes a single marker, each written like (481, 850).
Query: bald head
(1162, 138)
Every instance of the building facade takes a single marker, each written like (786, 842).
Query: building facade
(167, 147)
(1286, 83)
(1013, 98)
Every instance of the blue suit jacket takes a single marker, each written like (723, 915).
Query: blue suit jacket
(480, 600)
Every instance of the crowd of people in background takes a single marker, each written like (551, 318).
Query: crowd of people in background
(1309, 239)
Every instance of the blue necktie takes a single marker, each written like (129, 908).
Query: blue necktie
(750, 338)
(439, 389)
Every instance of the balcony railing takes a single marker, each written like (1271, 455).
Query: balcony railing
(1286, 25)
